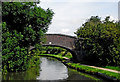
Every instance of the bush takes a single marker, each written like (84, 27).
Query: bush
(14, 57)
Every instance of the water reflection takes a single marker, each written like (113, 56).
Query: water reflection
(30, 74)
(52, 70)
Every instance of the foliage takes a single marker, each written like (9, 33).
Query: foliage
(101, 41)
(68, 55)
(24, 25)
(56, 50)
(13, 56)
(27, 18)
(61, 55)
(52, 55)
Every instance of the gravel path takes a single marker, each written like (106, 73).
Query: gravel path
(105, 69)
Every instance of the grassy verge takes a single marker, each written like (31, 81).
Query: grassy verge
(117, 68)
(94, 70)
(112, 67)
(84, 74)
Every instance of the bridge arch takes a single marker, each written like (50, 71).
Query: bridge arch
(68, 49)
(64, 41)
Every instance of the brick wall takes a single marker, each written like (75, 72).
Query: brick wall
(60, 39)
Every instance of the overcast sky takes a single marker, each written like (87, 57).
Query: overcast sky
(71, 14)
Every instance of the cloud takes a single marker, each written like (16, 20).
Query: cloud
(69, 16)
(65, 30)
(112, 18)
(79, 0)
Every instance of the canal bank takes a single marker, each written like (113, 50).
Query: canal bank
(108, 76)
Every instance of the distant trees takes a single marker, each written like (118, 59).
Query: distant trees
(24, 25)
(101, 41)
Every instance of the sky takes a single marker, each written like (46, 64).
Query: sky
(71, 14)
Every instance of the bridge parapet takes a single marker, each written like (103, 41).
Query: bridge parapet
(60, 39)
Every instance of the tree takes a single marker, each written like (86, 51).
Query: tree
(101, 41)
(27, 18)
(24, 25)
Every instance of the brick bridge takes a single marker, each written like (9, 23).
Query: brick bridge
(60, 40)
(64, 41)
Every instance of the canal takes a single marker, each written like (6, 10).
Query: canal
(49, 69)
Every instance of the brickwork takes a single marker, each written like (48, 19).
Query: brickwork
(60, 39)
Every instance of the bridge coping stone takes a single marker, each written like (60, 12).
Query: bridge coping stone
(64, 35)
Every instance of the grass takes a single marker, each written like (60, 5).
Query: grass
(68, 55)
(112, 67)
(94, 70)
(86, 75)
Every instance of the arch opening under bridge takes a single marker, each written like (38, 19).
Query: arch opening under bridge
(68, 49)
(64, 41)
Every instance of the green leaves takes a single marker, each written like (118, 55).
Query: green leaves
(24, 25)
(101, 40)
(28, 19)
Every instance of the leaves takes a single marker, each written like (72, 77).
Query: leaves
(101, 40)
(24, 25)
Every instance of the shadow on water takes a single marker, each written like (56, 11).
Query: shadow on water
(50, 69)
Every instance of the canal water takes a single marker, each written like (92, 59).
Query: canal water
(50, 69)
